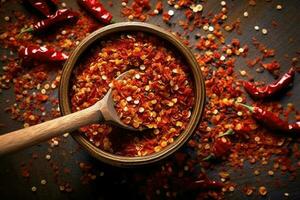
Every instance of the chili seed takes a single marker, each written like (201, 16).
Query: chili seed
(196, 8)
(223, 3)
(136, 102)
(66, 135)
(205, 27)
(142, 67)
(129, 98)
(246, 14)
(130, 17)
(124, 3)
(243, 73)
(157, 148)
(137, 76)
(47, 86)
(7, 18)
(256, 28)
(141, 109)
(104, 77)
(270, 172)
(33, 189)
(48, 157)
(63, 4)
(43, 182)
(61, 188)
(53, 85)
(176, 6)
(231, 188)
(171, 12)
(256, 172)
(156, 11)
(211, 28)
(286, 194)
(279, 7)
(264, 31)
(43, 91)
(239, 99)
(163, 144)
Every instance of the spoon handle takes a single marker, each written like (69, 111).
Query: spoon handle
(26, 137)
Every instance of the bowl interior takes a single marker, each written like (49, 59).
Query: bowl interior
(198, 83)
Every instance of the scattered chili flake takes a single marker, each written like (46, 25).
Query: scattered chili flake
(271, 66)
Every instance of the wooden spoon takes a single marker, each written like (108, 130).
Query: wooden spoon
(102, 111)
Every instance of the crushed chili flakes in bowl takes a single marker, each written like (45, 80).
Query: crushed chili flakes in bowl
(157, 97)
(159, 94)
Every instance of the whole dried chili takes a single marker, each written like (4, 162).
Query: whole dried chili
(272, 121)
(221, 146)
(271, 89)
(43, 54)
(61, 15)
(97, 10)
(41, 6)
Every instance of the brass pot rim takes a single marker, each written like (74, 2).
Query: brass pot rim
(199, 89)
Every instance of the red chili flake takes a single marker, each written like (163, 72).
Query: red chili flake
(41, 97)
(137, 10)
(274, 24)
(271, 66)
(166, 17)
(189, 14)
(252, 2)
(159, 6)
(253, 62)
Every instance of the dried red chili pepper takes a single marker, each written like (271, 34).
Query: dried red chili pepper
(41, 6)
(97, 10)
(271, 89)
(272, 121)
(221, 146)
(43, 54)
(62, 15)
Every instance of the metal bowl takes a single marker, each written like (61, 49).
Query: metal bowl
(181, 49)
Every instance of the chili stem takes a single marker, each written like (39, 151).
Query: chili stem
(228, 132)
(24, 30)
(208, 157)
(251, 108)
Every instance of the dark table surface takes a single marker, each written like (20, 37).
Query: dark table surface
(109, 183)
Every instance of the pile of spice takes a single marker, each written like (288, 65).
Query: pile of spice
(159, 96)
(165, 94)
(231, 132)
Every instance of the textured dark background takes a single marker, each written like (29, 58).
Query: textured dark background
(112, 185)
